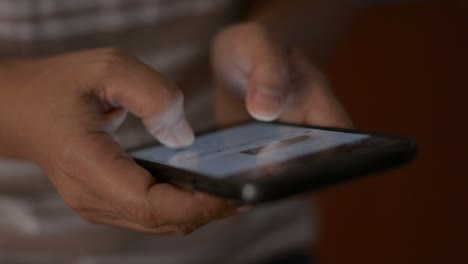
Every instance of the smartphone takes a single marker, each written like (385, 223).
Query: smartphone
(258, 162)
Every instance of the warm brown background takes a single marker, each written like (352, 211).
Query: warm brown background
(404, 69)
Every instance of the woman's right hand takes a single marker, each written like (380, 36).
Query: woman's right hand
(62, 112)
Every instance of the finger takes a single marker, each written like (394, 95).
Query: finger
(268, 77)
(178, 222)
(267, 90)
(108, 218)
(111, 175)
(150, 96)
(264, 64)
(133, 195)
(175, 205)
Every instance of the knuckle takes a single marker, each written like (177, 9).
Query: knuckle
(272, 76)
(144, 217)
(111, 60)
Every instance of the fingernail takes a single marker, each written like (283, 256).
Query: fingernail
(176, 136)
(266, 105)
(182, 134)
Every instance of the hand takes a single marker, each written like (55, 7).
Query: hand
(62, 113)
(271, 82)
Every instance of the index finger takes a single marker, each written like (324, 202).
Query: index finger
(149, 95)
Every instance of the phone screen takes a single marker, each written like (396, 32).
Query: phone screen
(230, 151)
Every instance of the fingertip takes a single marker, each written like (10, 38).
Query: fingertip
(264, 106)
(178, 135)
(263, 116)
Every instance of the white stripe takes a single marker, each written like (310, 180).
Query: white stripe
(21, 9)
(109, 20)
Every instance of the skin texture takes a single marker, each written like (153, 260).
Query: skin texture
(67, 108)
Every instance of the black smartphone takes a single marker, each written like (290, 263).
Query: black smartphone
(258, 162)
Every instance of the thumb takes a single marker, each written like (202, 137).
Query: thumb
(267, 89)
(264, 65)
(152, 97)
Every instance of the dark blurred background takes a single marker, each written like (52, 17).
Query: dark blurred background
(404, 68)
